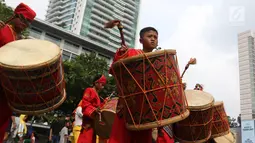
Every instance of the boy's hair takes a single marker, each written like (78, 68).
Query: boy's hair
(146, 29)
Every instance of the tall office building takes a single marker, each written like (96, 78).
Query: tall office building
(87, 18)
(247, 74)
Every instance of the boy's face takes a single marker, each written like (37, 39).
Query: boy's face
(19, 25)
(149, 40)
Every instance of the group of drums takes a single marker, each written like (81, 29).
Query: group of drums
(152, 95)
(150, 92)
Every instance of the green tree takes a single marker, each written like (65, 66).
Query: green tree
(5, 13)
(79, 74)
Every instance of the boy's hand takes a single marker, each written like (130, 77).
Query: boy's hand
(107, 98)
(123, 48)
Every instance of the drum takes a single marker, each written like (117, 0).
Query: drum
(197, 127)
(152, 90)
(32, 76)
(103, 122)
(220, 124)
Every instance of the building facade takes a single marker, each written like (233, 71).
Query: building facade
(87, 18)
(71, 44)
(246, 54)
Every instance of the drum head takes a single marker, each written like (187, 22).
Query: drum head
(199, 100)
(229, 138)
(104, 128)
(28, 53)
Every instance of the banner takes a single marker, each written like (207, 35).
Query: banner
(248, 132)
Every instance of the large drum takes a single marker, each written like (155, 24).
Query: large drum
(103, 122)
(197, 127)
(152, 90)
(32, 76)
(220, 124)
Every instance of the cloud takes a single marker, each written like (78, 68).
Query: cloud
(216, 70)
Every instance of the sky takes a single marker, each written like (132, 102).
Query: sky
(202, 29)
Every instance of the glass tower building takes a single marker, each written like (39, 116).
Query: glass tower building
(87, 18)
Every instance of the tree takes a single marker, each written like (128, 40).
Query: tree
(5, 13)
(79, 74)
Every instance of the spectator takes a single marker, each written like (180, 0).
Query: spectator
(22, 130)
(55, 128)
(64, 133)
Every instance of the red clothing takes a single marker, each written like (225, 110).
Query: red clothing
(6, 35)
(6, 113)
(128, 53)
(90, 102)
(119, 132)
(26, 11)
(164, 138)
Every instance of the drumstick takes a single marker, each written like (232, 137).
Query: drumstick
(111, 94)
(114, 23)
(192, 61)
(100, 119)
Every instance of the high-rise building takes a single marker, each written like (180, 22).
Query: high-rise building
(71, 44)
(247, 74)
(87, 18)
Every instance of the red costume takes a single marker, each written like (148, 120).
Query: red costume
(90, 103)
(119, 132)
(7, 34)
(165, 135)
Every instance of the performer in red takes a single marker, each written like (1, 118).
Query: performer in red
(23, 15)
(90, 107)
(119, 134)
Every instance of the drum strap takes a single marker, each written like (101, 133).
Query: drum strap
(168, 130)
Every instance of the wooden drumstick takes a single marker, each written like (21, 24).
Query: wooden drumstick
(111, 94)
(100, 118)
(114, 23)
(192, 61)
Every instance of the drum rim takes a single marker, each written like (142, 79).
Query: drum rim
(218, 103)
(197, 141)
(107, 110)
(220, 137)
(155, 124)
(220, 134)
(202, 107)
(35, 66)
(40, 111)
(139, 56)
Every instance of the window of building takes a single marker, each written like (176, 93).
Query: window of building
(71, 47)
(35, 33)
(73, 56)
(86, 50)
(52, 38)
(107, 59)
(66, 55)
